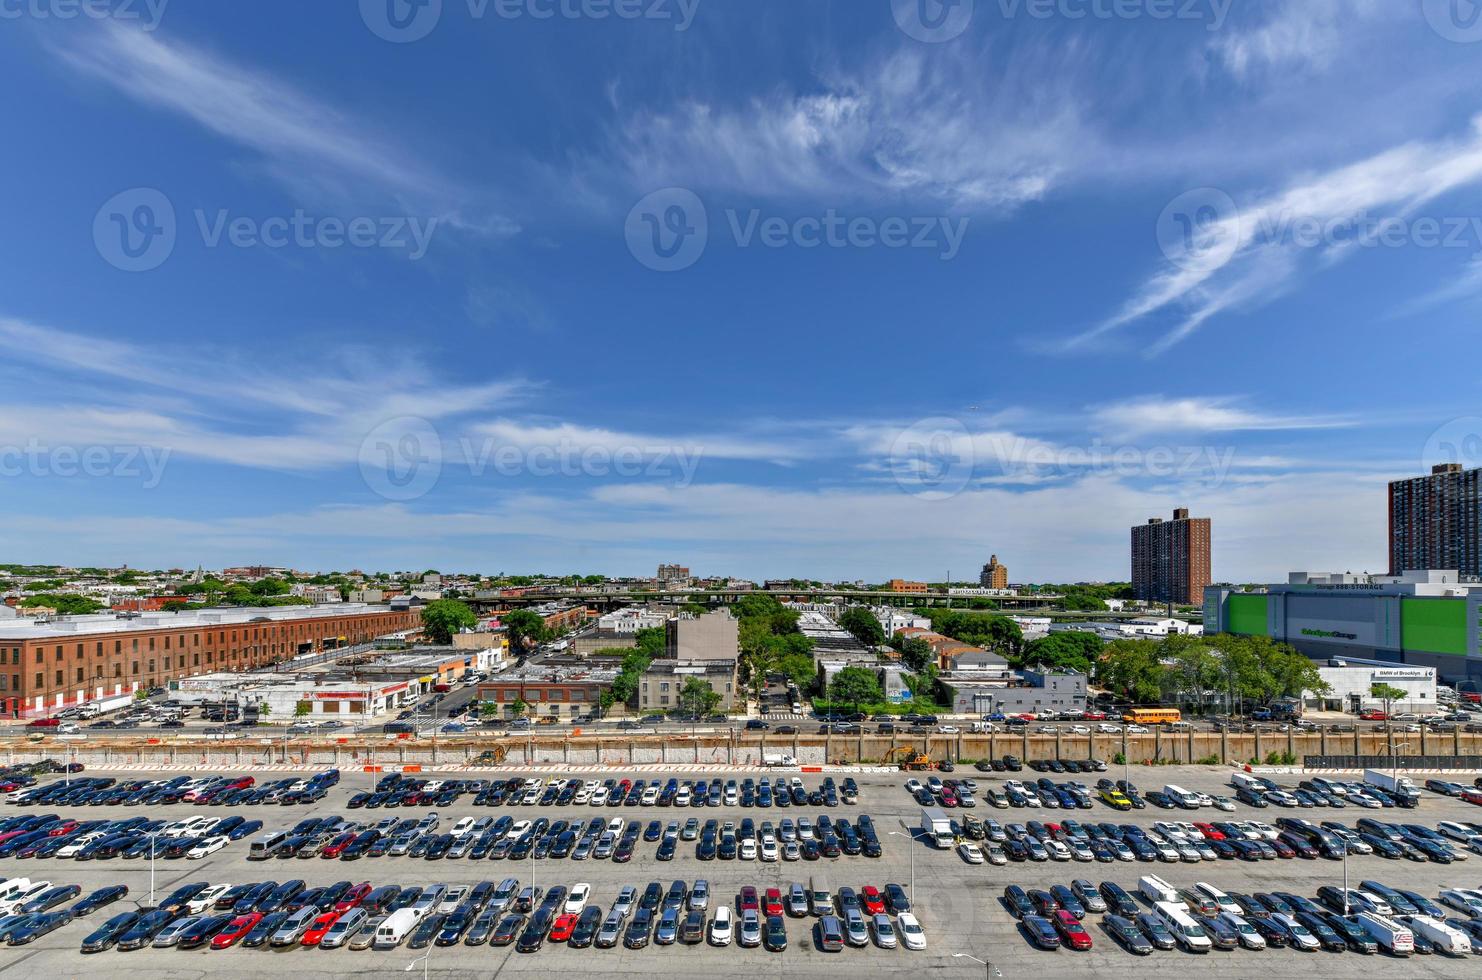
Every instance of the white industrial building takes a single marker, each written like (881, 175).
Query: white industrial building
(1352, 680)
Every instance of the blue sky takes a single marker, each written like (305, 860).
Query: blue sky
(845, 290)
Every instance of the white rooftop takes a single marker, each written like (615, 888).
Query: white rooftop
(96, 623)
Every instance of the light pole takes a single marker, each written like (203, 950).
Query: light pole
(423, 959)
(152, 838)
(911, 840)
(989, 971)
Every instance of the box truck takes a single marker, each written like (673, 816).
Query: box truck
(778, 759)
(1389, 783)
(936, 827)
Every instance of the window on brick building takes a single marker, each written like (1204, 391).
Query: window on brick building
(59, 679)
(40, 681)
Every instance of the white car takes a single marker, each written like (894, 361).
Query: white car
(721, 926)
(1079, 730)
(942, 729)
(462, 827)
(208, 846)
(577, 899)
(910, 931)
(970, 852)
(769, 849)
(206, 899)
(747, 850)
(1136, 730)
(1106, 729)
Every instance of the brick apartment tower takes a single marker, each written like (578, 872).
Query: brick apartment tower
(1170, 559)
(1436, 521)
(994, 576)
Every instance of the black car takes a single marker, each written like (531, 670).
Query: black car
(426, 932)
(586, 927)
(533, 936)
(639, 930)
(896, 900)
(1127, 935)
(106, 935)
(1117, 899)
(39, 925)
(142, 932)
(774, 934)
(202, 930)
(263, 931)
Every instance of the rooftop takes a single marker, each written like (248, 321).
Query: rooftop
(71, 626)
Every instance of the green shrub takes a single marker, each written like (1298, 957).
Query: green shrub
(1208, 760)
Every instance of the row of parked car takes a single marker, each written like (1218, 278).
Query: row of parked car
(579, 838)
(400, 789)
(987, 841)
(363, 916)
(1201, 918)
(53, 836)
(32, 909)
(231, 790)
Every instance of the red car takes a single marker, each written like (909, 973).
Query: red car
(748, 900)
(319, 927)
(949, 796)
(773, 902)
(44, 723)
(353, 897)
(1072, 933)
(337, 846)
(1282, 848)
(1093, 716)
(62, 827)
(235, 930)
(1373, 714)
(1209, 831)
(874, 902)
(1473, 796)
(564, 926)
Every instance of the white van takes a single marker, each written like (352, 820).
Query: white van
(1189, 934)
(1156, 890)
(1244, 780)
(1225, 902)
(1388, 933)
(1445, 938)
(1182, 797)
(395, 929)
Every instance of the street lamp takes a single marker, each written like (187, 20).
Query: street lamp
(989, 970)
(423, 960)
(911, 840)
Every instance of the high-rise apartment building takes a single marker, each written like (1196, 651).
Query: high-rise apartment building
(1434, 521)
(1170, 559)
(995, 576)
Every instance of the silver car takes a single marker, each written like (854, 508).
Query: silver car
(611, 931)
(294, 927)
(344, 928)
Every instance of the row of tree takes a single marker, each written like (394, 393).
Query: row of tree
(1206, 671)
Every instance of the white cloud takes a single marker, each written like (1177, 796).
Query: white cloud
(528, 435)
(1239, 258)
(303, 141)
(943, 128)
(1139, 416)
(1465, 285)
(1307, 35)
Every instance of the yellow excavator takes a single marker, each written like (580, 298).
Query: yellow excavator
(910, 758)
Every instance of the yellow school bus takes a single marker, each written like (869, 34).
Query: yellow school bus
(1152, 716)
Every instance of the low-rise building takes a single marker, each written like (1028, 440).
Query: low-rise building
(713, 635)
(1352, 681)
(659, 687)
(902, 585)
(562, 691)
(1029, 692)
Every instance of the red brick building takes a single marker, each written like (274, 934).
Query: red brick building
(48, 665)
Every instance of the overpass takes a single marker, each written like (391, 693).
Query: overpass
(485, 602)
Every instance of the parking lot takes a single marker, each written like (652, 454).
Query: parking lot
(958, 904)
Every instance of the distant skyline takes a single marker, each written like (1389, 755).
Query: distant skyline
(769, 289)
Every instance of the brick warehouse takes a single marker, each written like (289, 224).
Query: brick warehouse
(45, 666)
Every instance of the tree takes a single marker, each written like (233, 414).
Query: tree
(863, 626)
(519, 707)
(1389, 694)
(488, 709)
(441, 618)
(1068, 650)
(525, 630)
(302, 709)
(67, 604)
(855, 686)
(916, 654)
(264, 709)
(696, 699)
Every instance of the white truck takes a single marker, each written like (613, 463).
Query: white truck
(1388, 933)
(1389, 783)
(1445, 938)
(778, 759)
(936, 827)
(93, 709)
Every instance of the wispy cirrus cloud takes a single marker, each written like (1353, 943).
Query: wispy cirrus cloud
(945, 128)
(1304, 37)
(313, 146)
(1141, 416)
(1242, 256)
